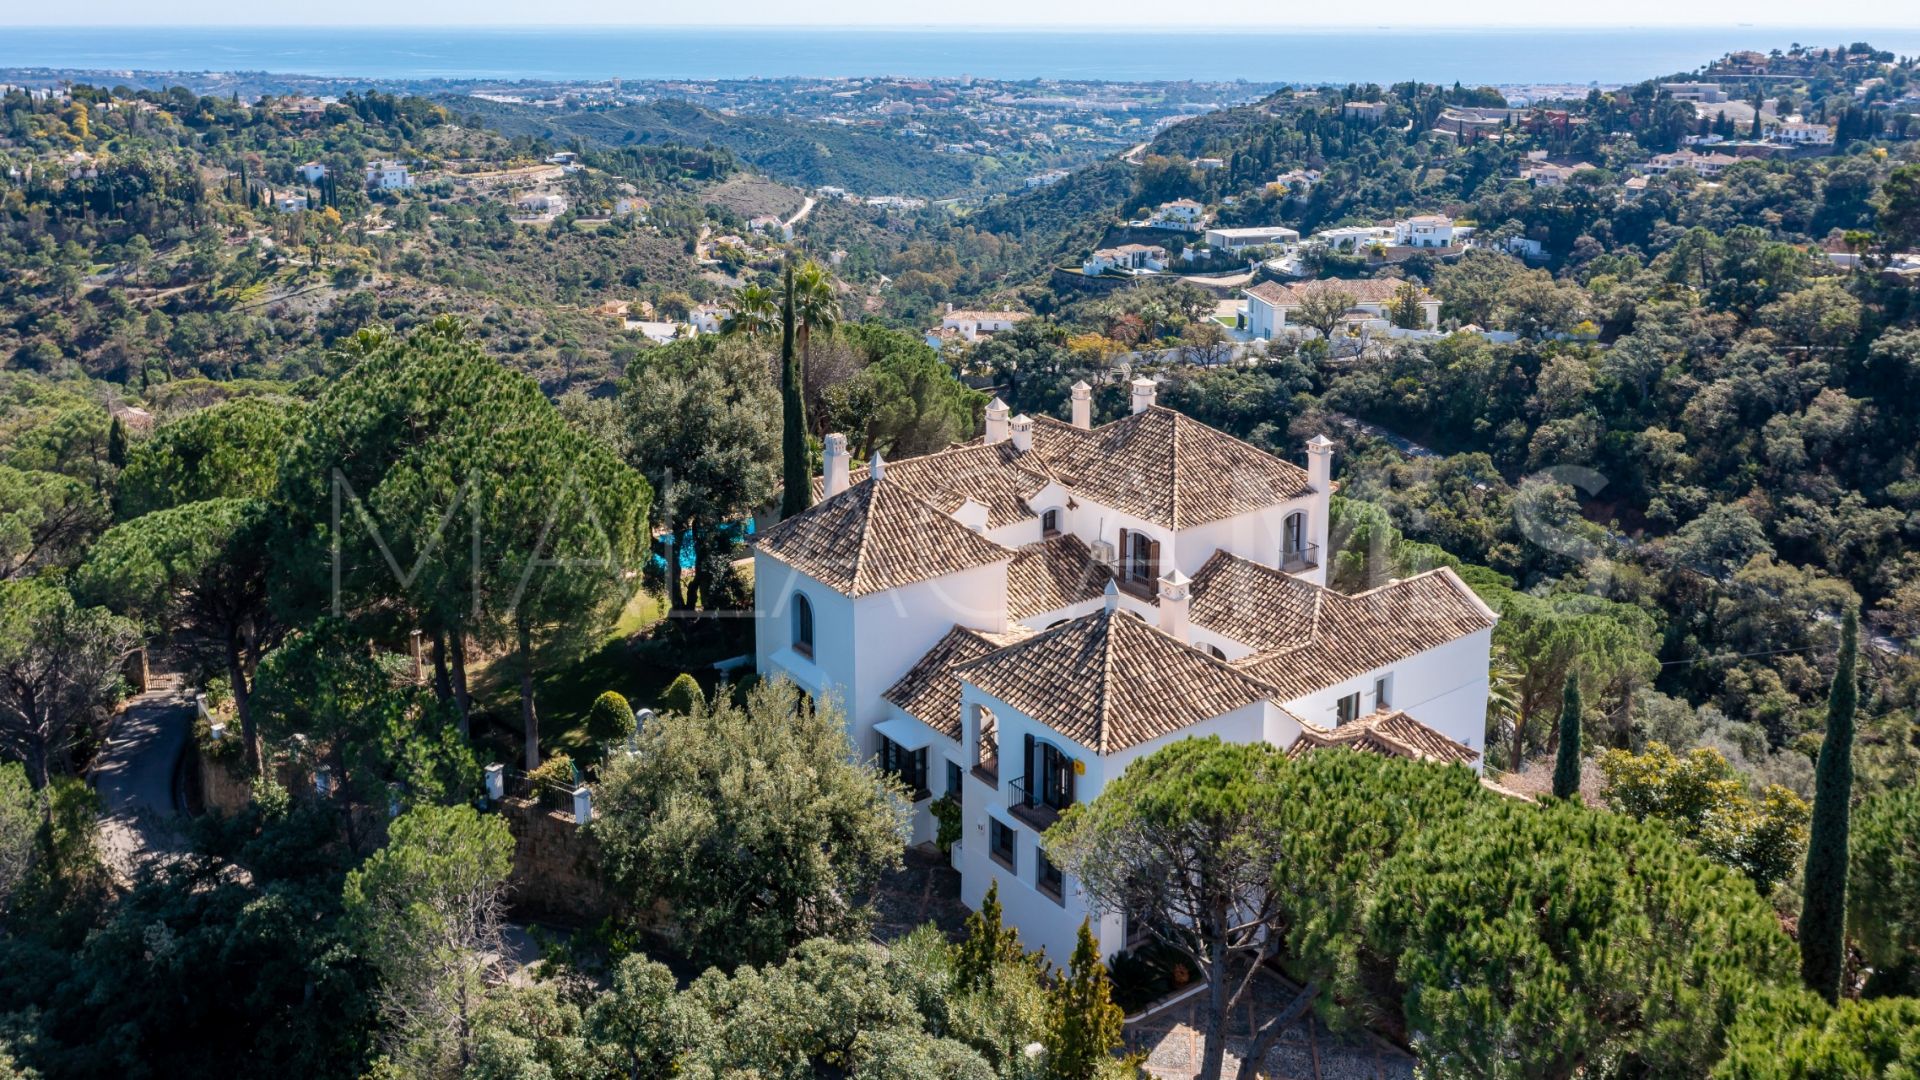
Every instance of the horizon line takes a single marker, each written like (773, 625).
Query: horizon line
(1112, 28)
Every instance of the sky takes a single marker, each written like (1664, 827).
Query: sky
(1073, 14)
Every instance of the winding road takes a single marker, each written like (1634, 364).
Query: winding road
(137, 776)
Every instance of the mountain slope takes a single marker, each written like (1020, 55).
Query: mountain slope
(805, 154)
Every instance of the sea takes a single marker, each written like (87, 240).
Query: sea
(1306, 56)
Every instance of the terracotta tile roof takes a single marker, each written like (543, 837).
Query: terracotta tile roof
(1272, 292)
(1391, 732)
(930, 692)
(1109, 681)
(1306, 638)
(1165, 467)
(1258, 606)
(874, 536)
(1053, 574)
(990, 474)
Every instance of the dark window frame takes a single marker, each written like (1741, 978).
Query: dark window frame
(908, 766)
(803, 625)
(1293, 534)
(1347, 709)
(1010, 856)
(1048, 879)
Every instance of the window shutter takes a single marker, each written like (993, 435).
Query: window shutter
(1153, 560)
(1028, 779)
(1126, 555)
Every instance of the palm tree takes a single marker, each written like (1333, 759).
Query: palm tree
(753, 311)
(815, 303)
(1503, 702)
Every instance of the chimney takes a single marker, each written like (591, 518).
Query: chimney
(1320, 463)
(949, 307)
(972, 514)
(996, 421)
(1113, 596)
(1173, 604)
(838, 465)
(876, 469)
(1082, 405)
(1022, 426)
(1142, 394)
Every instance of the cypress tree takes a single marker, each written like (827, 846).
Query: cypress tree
(1823, 909)
(117, 444)
(793, 436)
(1566, 765)
(1083, 1024)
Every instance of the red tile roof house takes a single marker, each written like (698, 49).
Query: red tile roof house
(1269, 304)
(1012, 620)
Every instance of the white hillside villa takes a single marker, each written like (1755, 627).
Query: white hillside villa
(1269, 304)
(1012, 620)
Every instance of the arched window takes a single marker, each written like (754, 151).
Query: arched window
(1294, 553)
(1050, 522)
(802, 625)
(1214, 651)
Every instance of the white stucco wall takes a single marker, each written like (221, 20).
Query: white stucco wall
(1255, 536)
(863, 646)
(1444, 688)
(1043, 921)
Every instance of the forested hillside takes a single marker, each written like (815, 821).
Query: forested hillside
(418, 446)
(870, 162)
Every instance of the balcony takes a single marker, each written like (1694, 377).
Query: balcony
(1294, 560)
(987, 770)
(1144, 588)
(1031, 805)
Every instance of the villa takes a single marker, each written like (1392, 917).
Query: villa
(388, 176)
(1011, 621)
(1269, 303)
(970, 326)
(1424, 231)
(1264, 236)
(1126, 259)
(1182, 214)
(1703, 164)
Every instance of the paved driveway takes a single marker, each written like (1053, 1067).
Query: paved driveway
(135, 776)
(1305, 1050)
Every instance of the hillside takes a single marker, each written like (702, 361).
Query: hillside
(870, 162)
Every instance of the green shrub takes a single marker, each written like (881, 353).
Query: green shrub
(682, 695)
(553, 781)
(947, 813)
(610, 719)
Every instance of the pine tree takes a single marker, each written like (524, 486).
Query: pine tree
(1823, 910)
(988, 944)
(1566, 765)
(795, 473)
(1083, 1025)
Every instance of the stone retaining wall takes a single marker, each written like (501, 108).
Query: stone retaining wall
(556, 867)
(223, 789)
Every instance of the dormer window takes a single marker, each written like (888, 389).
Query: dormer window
(1347, 709)
(1139, 563)
(1050, 522)
(803, 625)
